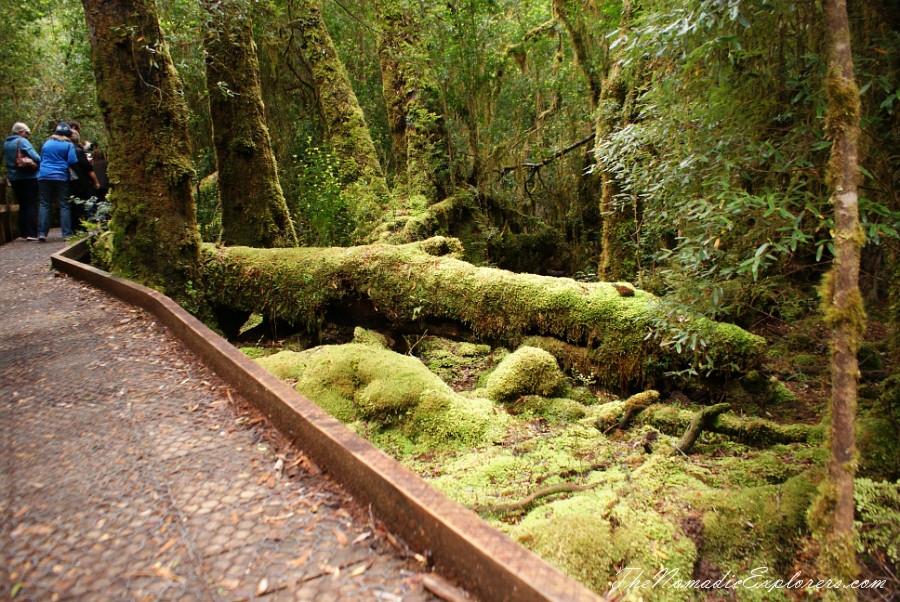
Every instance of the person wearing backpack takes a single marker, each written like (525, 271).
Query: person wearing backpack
(57, 154)
(23, 177)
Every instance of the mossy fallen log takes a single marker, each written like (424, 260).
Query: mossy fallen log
(423, 285)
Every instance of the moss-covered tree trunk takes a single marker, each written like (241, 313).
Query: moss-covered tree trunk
(618, 260)
(410, 94)
(590, 53)
(154, 230)
(343, 118)
(254, 212)
(833, 517)
(608, 89)
(621, 217)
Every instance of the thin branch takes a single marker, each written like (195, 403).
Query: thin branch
(531, 499)
(357, 19)
(536, 166)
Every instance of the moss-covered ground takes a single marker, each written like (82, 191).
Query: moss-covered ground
(538, 454)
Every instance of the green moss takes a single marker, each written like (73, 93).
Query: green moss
(803, 360)
(607, 414)
(555, 409)
(579, 545)
(878, 444)
(526, 371)
(757, 527)
(255, 353)
(458, 364)
(364, 382)
(781, 394)
(369, 337)
(869, 357)
(736, 466)
(627, 522)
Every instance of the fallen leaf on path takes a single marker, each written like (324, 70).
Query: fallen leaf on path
(362, 537)
(341, 538)
(300, 561)
(362, 568)
(157, 570)
(165, 547)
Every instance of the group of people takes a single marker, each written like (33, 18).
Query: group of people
(63, 171)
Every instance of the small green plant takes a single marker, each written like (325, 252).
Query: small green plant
(209, 211)
(588, 274)
(326, 219)
(878, 510)
(96, 213)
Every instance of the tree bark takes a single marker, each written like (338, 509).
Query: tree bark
(833, 517)
(621, 227)
(701, 421)
(153, 226)
(344, 121)
(410, 94)
(417, 284)
(254, 211)
(608, 90)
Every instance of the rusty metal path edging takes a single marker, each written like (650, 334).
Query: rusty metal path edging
(461, 545)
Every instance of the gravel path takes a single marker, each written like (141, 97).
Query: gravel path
(129, 471)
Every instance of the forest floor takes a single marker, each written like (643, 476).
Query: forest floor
(595, 500)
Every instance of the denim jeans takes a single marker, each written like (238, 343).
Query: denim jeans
(59, 189)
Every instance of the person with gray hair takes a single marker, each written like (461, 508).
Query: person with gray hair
(24, 182)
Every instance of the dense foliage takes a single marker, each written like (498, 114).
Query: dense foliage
(679, 146)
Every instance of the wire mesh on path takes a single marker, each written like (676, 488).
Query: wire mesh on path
(128, 471)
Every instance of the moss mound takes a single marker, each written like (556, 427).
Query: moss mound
(756, 527)
(526, 371)
(386, 390)
(555, 409)
(576, 544)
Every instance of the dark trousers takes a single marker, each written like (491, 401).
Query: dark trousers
(60, 190)
(28, 197)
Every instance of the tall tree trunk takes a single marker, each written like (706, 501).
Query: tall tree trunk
(254, 212)
(343, 117)
(589, 52)
(833, 516)
(417, 126)
(393, 87)
(618, 259)
(608, 90)
(154, 229)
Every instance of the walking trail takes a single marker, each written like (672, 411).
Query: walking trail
(129, 471)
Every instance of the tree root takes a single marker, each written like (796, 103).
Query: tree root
(527, 502)
(701, 421)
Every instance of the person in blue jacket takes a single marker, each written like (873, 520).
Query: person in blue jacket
(24, 182)
(57, 154)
